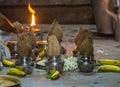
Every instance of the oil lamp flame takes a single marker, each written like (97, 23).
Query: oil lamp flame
(33, 15)
(33, 20)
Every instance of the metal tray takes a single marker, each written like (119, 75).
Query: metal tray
(9, 81)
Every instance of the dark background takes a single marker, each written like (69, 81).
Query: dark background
(65, 11)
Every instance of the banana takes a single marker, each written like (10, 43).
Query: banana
(8, 63)
(41, 53)
(20, 67)
(108, 68)
(16, 72)
(55, 75)
(109, 62)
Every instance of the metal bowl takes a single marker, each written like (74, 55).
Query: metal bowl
(54, 62)
(86, 64)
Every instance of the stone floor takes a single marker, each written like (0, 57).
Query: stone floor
(104, 47)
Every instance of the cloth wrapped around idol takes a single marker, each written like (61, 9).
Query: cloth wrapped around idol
(4, 51)
(84, 43)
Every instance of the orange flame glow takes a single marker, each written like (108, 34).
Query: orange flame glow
(33, 15)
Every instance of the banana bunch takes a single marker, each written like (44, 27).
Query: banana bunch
(109, 62)
(16, 72)
(8, 63)
(109, 65)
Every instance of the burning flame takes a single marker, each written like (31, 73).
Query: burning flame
(33, 20)
(33, 15)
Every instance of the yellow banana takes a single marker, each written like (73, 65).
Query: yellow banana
(109, 62)
(109, 68)
(41, 53)
(16, 72)
(8, 63)
(20, 67)
(55, 75)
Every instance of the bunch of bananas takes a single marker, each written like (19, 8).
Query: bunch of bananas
(16, 72)
(109, 65)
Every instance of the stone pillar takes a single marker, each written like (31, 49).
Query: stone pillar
(102, 19)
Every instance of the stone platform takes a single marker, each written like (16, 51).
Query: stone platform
(104, 47)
